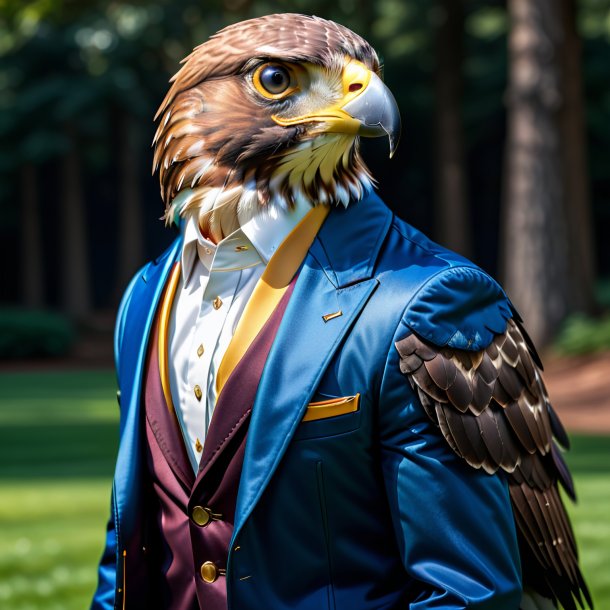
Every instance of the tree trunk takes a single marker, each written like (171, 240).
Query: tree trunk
(577, 203)
(452, 217)
(534, 253)
(75, 289)
(31, 240)
(131, 235)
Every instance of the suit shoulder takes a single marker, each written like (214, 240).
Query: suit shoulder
(447, 299)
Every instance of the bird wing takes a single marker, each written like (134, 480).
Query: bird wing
(492, 408)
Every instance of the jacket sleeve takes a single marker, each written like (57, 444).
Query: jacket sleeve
(105, 594)
(454, 524)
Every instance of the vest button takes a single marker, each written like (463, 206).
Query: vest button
(201, 516)
(209, 573)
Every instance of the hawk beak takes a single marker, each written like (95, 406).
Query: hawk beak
(377, 112)
(367, 109)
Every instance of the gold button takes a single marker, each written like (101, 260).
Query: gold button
(208, 571)
(198, 392)
(217, 303)
(198, 446)
(201, 516)
(200, 350)
(241, 248)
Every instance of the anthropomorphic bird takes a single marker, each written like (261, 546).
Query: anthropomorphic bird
(320, 407)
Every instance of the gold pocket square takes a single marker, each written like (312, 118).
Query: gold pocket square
(332, 407)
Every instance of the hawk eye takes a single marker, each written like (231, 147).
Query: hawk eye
(274, 79)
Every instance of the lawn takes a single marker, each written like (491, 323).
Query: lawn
(58, 438)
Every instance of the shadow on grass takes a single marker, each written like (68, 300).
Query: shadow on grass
(63, 450)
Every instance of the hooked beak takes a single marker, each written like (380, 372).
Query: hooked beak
(367, 109)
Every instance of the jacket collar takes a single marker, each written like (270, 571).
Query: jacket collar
(349, 243)
(346, 248)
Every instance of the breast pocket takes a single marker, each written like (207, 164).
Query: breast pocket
(330, 417)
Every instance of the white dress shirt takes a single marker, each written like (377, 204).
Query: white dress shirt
(217, 281)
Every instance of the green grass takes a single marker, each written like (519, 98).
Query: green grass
(58, 437)
(589, 460)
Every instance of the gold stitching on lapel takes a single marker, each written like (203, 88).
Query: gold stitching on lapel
(332, 407)
(332, 316)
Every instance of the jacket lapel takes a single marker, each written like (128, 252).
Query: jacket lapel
(136, 316)
(336, 277)
(235, 402)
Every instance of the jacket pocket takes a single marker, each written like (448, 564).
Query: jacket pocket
(330, 417)
(332, 407)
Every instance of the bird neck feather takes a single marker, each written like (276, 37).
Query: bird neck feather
(327, 169)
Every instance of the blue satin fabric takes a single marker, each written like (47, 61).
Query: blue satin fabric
(365, 510)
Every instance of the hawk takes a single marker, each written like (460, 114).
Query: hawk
(270, 111)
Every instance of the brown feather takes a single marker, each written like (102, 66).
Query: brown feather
(491, 437)
(424, 351)
(465, 359)
(482, 392)
(464, 430)
(460, 392)
(510, 351)
(493, 410)
(565, 478)
(410, 363)
(525, 533)
(441, 371)
(500, 395)
(443, 424)
(518, 419)
(526, 363)
(509, 380)
(485, 368)
(528, 525)
(424, 381)
(408, 346)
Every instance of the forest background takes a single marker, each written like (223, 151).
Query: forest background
(504, 153)
(504, 157)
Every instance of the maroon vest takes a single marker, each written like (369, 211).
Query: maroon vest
(193, 515)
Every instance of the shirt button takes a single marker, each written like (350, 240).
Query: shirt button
(207, 250)
(198, 392)
(241, 248)
(200, 351)
(217, 303)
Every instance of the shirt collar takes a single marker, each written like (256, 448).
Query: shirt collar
(270, 227)
(255, 242)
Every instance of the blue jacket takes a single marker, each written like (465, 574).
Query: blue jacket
(369, 509)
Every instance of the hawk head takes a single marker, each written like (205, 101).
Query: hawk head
(268, 111)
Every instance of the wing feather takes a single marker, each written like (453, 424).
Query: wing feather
(493, 410)
(528, 525)
(521, 426)
(491, 437)
(442, 371)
